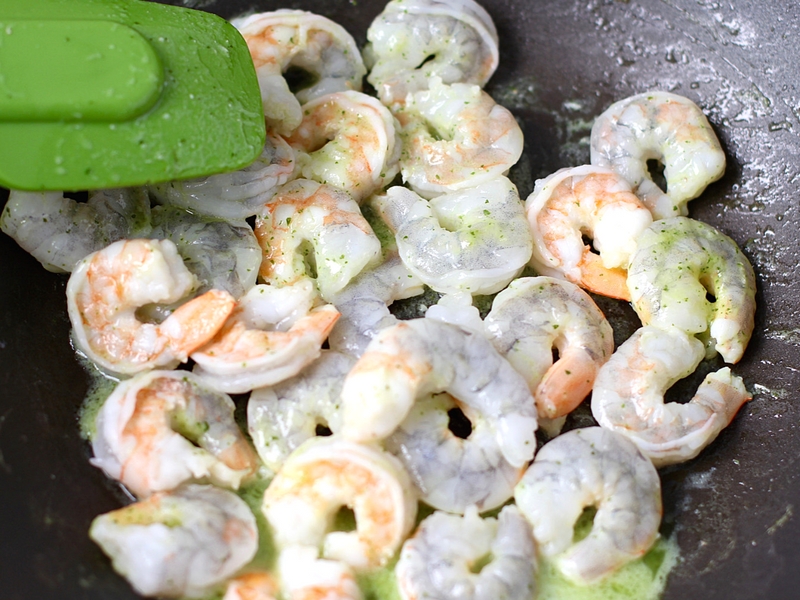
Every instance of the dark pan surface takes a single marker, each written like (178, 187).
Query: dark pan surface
(734, 509)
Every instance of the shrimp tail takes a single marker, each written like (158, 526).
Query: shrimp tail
(194, 324)
(566, 383)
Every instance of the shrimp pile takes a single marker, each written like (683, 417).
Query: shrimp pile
(356, 417)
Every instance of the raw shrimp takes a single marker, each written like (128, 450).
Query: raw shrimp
(222, 255)
(457, 309)
(59, 232)
(284, 41)
(328, 473)
(182, 543)
(678, 263)
(304, 576)
(455, 137)
(314, 229)
(259, 345)
(412, 41)
(238, 194)
(255, 585)
(584, 468)
(450, 472)
(598, 203)
(162, 428)
(364, 304)
(106, 289)
(347, 140)
(475, 240)
(665, 127)
(532, 316)
(628, 396)
(439, 562)
(421, 356)
(283, 416)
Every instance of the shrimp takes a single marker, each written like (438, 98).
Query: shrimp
(238, 194)
(439, 562)
(412, 41)
(598, 203)
(536, 314)
(328, 473)
(162, 428)
(182, 543)
(59, 232)
(284, 41)
(348, 140)
(475, 240)
(421, 356)
(250, 351)
(678, 263)
(628, 396)
(283, 416)
(306, 577)
(364, 304)
(455, 137)
(255, 585)
(106, 289)
(457, 309)
(309, 224)
(222, 255)
(452, 473)
(666, 127)
(583, 468)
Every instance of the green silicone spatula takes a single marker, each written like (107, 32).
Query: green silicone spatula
(110, 93)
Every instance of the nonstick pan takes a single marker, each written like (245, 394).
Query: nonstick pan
(735, 509)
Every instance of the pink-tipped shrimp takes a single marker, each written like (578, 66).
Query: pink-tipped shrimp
(590, 201)
(253, 585)
(257, 347)
(628, 396)
(304, 576)
(532, 316)
(325, 474)
(283, 40)
(106, 289)
(310, 229)
(664, 127)
(347, 140)
(162, 428)
(455, 137)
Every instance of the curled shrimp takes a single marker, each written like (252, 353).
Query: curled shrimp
(254, 585)
(422, 356)
(590, 201)
(475, 240)
(532, 316)
(412, 41)
(324, 475)
(439, 561)
(260, 344)
(663, 126)
(628, 396)
(364, 304)
(162, 428)
(59, 231)
(286, 40)
(678, 263)
(347, 140)
(178, 544)
(452, 472)
(455, 137)
(309, 224)
(283, 416)
(591, 467)
(238, 194)
(106, 289)
(304, 576)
